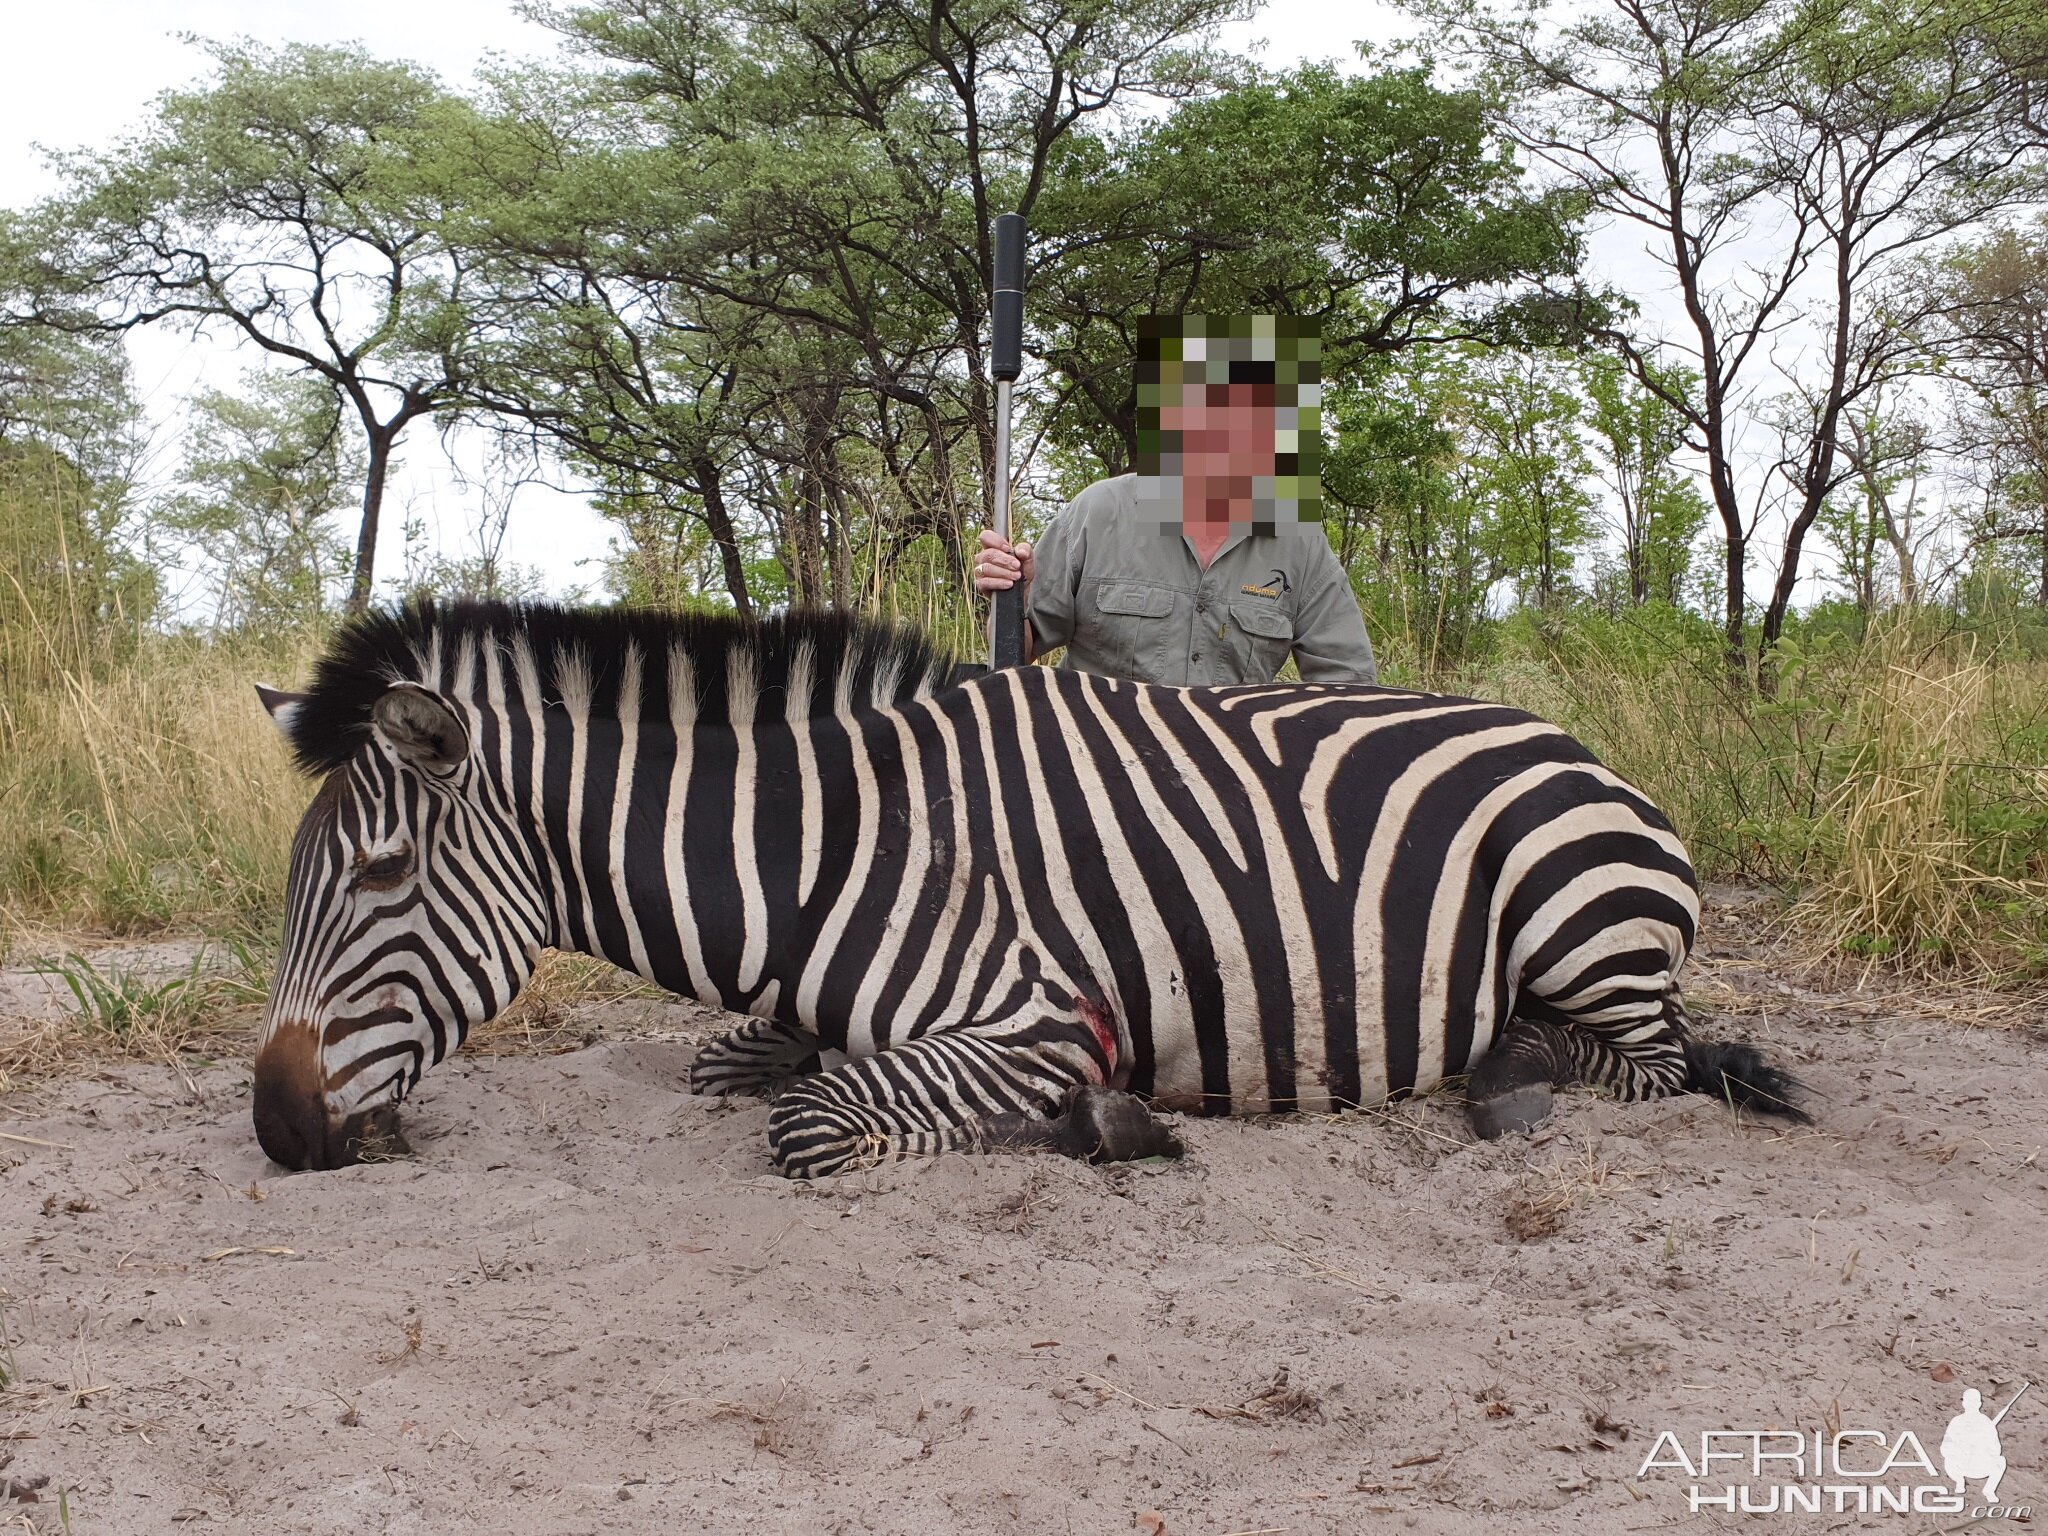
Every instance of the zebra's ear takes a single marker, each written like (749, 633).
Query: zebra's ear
(282, 707)
(421, 727)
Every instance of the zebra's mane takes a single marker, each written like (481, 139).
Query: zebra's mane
(802, 663)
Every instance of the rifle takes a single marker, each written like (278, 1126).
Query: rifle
(1006, 305)
(2008, 1407)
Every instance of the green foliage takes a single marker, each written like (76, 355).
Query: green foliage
(1455, 470)
(1894, 777)
(1386, 204)
(1991, 334)
(295, 200)
(74, 588)
(125, 1004)
(1639, 434)
(265, 474)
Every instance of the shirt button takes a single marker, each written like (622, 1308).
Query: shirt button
(1202, 603)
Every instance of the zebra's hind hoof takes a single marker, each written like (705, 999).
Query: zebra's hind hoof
(1105, 1125)
(1521, 1109)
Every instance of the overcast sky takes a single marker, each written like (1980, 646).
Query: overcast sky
(86, 71)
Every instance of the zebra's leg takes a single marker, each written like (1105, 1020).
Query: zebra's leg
(1510, 1088)
(1097, 1125)
(1616, 1050)
(760, 1057)
(969, 1090)
(1630, 1053)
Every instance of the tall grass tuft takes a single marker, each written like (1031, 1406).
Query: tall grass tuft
(141, 784)
(1896, 782)
(1933, 846)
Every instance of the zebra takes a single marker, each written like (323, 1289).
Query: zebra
(1214, 900)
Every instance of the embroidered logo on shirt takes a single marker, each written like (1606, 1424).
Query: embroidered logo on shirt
(1276, 583)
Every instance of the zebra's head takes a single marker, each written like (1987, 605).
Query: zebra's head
(412, 914)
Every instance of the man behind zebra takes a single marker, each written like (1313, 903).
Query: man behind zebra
(1209, 565)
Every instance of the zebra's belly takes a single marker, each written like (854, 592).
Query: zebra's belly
(1331, 1060)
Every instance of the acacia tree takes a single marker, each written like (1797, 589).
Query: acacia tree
(71, 546)
(1786, 160)
(846, 161)
(1525, 449)
(292, 200)
(1399, 509)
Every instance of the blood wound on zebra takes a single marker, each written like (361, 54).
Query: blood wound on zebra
(1237, 900)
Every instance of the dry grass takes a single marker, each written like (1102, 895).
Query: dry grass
(116, 1009)
(1543, 1197)
(1899, 786)
(1916, 877)
(544, 1020)
(158, 794)
(1899, 783)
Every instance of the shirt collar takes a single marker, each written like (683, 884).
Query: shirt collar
(1235, 537)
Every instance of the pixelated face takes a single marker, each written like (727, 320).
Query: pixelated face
(1226, 433)
(1228, 422)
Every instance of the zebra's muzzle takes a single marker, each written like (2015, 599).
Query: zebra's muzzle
(293, 1123)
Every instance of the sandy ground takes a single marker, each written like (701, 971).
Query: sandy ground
(586, 1305)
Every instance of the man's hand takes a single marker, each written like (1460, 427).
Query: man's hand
(999, 566)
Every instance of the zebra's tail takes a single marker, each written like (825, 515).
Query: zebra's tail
(1738, 1074)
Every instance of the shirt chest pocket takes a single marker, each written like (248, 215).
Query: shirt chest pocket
(1263, 634)
(1132, 619)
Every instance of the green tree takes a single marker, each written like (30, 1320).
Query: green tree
(1638, 436)
(809, 330)
(1386, 205)
(72, 575)
(1991, 330)
(266, 474)
(1876, 524)
(1785, 161)
(1399, 507)
(293, 200)
(1530, 466)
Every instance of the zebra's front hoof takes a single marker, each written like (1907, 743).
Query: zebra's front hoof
(1105, 1125)
(1521, 1108)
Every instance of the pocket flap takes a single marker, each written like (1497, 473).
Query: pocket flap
(1263, 619)
(1134, 598)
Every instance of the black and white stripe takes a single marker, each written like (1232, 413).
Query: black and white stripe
(988, 893)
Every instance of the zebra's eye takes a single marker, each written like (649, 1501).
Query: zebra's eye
(385, 870)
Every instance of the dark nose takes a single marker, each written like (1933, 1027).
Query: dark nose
(290, 1104)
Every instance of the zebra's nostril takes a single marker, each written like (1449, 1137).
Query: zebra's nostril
(373, 1136)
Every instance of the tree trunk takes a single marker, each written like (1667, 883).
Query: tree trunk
(838, 542)
(806, 539)
(718, 519)
(2042, 596)
(373, 507)
(1735, 643)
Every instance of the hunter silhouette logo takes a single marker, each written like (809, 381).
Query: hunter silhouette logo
(1851, 1471)
(1970, 1448)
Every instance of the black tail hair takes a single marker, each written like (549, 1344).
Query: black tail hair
(1739, 1075)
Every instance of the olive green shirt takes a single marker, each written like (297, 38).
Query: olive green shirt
(1129, 601)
